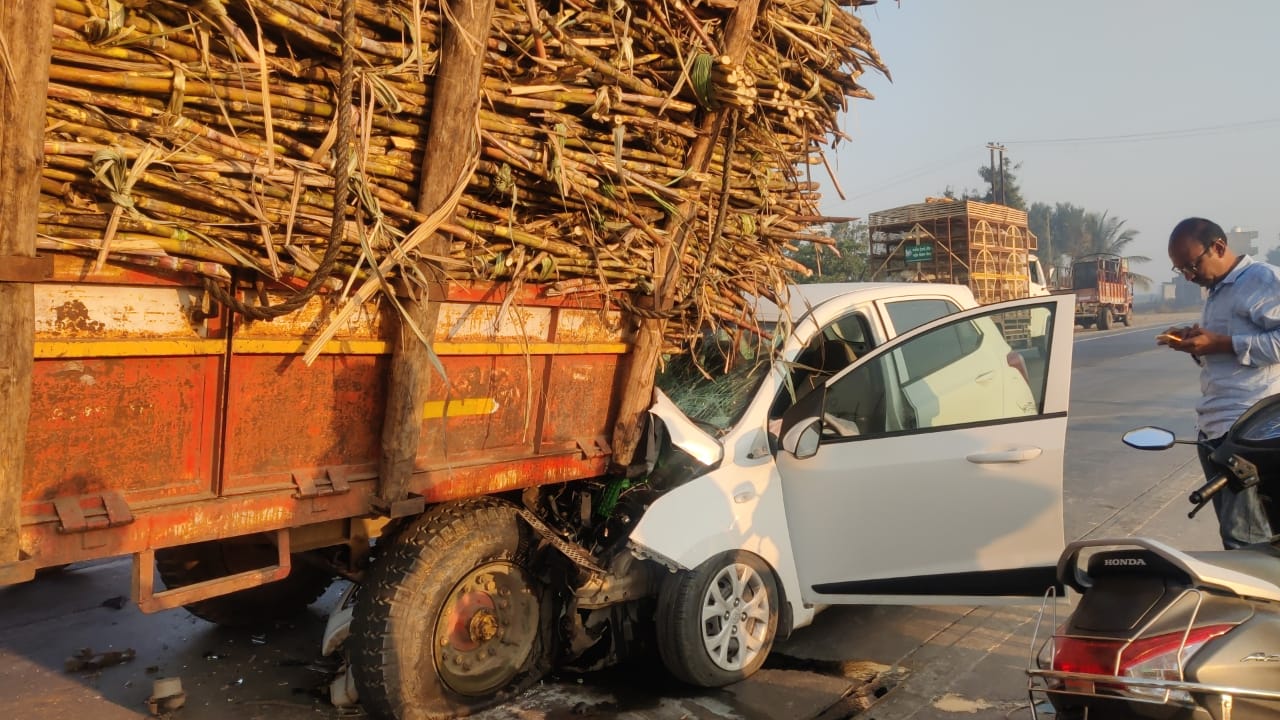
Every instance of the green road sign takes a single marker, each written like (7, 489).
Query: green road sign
(919, 253)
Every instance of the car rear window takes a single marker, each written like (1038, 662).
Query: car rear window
(910, 314)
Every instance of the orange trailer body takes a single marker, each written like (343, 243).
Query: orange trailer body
(154, 426)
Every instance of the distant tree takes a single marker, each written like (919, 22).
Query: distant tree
(848, 261)
(991, 193)
(1039, 219)
(1273, 256)
(1012, 192)
(1103, 234)
(1108, 235)
(1067, 229)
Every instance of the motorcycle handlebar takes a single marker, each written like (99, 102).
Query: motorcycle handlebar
(1205, 492)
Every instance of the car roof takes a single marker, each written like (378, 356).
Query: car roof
(804, 298)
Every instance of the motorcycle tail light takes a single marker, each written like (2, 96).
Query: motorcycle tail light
(1078, 655)
(1161, 657)
(1164, 657)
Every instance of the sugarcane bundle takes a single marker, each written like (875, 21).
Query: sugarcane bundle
(203, 136)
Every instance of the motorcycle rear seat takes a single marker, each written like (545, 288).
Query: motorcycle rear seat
(1261, 561)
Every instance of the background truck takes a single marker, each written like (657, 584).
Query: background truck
(984, 246)
(1104, 291)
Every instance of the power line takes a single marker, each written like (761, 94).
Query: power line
(910, 175)
(1150, 136)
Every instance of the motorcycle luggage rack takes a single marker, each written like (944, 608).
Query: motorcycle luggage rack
(1040, 681)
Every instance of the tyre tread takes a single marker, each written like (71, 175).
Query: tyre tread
(372, 645)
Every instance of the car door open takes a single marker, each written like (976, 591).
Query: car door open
(930, 471)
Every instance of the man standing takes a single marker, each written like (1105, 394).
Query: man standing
(1237, 345)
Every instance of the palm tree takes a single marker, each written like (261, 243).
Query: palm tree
(1105, 235)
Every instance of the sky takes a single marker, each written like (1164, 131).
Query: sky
(1152, 110)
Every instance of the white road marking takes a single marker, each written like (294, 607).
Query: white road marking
(1131, 331)
(1157, 328)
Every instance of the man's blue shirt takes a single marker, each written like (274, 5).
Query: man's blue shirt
(1244, 305)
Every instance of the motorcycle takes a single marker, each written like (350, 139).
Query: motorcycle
(1171, 635)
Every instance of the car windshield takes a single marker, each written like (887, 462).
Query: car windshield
(715, 382)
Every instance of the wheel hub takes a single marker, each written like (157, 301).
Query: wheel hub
(735, 617)
(486, 630)
(484, 626)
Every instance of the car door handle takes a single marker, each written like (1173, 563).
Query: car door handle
(985, 377)
(1017, 455)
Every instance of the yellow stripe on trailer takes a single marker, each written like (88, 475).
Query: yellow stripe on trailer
(148, 347)
(435, 409)
(381, 347)
(257, 346)
(160, 347)
(534, 348)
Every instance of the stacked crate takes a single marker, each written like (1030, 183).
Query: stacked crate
(984, 246)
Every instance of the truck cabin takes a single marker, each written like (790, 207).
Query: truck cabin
(1087, 273)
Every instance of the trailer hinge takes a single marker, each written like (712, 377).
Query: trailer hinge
(594, 447)
(73, 518)
(24, 269)
(334, 481)
(412, 504)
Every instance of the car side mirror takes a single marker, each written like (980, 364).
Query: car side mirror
(1149, 438)
(803, 440)
(802, 424)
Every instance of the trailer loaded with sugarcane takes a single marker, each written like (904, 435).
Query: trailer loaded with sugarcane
(293, 290)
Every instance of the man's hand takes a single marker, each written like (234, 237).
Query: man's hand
(1198, 341)
(1172, 335)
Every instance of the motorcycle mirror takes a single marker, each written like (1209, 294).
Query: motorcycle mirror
(1149, 438)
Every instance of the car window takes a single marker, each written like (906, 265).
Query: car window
(910, 314)
(830, 351)
(989, 368)
(934, 351)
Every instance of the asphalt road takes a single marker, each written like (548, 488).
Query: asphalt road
(941, 662)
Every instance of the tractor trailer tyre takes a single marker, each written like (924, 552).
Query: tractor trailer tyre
(1085, 323)
(450, 619)
(1104, 319)
(716, 623)
(255, 607)
(1128, 318)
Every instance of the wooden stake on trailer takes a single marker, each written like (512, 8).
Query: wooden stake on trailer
(26, 34)
(455, 107)
(643, 363)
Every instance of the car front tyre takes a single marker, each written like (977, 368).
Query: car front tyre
(716, 623)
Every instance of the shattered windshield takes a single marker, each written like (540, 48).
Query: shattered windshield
(714, 383)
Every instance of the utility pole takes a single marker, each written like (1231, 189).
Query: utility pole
(992, 147)
(997, 148)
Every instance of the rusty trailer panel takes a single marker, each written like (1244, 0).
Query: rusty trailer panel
(156, 423)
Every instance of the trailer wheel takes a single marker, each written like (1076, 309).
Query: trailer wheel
(450, 619)
(716, 624)
(1104, 319)
(1086, 324)
(262, 605)
(1127, 318)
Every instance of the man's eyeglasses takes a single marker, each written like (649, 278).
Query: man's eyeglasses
(1194, 268)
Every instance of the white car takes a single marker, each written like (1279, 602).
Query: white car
(896, 449)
